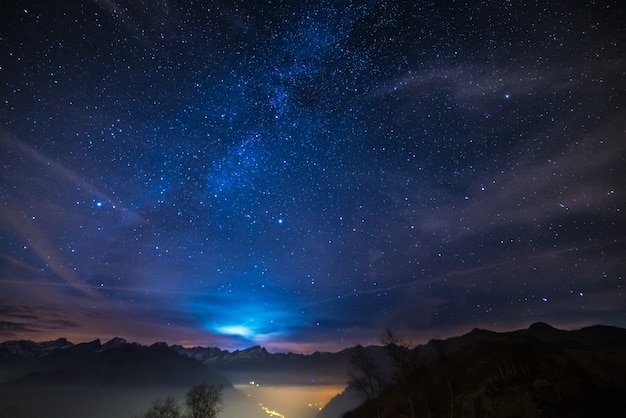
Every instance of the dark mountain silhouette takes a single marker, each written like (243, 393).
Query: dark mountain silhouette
(589, 336)
(20, 358)
(32, 362)
(345, 401)
(132, 365)
(276, 368)
(116, 363)
(537, 372)
(31, 350)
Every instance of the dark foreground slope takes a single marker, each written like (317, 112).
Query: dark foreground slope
(538, 372)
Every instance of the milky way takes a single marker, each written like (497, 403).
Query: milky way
(303, 175)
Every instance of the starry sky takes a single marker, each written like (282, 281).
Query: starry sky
(302, 175)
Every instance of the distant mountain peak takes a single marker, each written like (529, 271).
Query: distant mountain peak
(480, 331)
(30, 349)
(254, 352)
(541, 326)
(113, 343)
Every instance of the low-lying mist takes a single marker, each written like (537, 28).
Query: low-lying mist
(297, 401)
(250, 399)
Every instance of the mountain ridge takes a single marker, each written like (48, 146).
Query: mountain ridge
(537, 372)
(60, 343)
(20, 358)
(516, 363)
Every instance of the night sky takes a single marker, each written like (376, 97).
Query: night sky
(302, 175)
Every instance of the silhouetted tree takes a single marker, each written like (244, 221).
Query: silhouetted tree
(365, 375)
(204, 400)
(167, 408)
(404, 362)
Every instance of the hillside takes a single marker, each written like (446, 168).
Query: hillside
(538, 372)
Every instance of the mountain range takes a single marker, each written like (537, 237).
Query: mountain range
(483, 373)
(26, 361)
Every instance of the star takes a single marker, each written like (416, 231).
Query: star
(303, 173)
